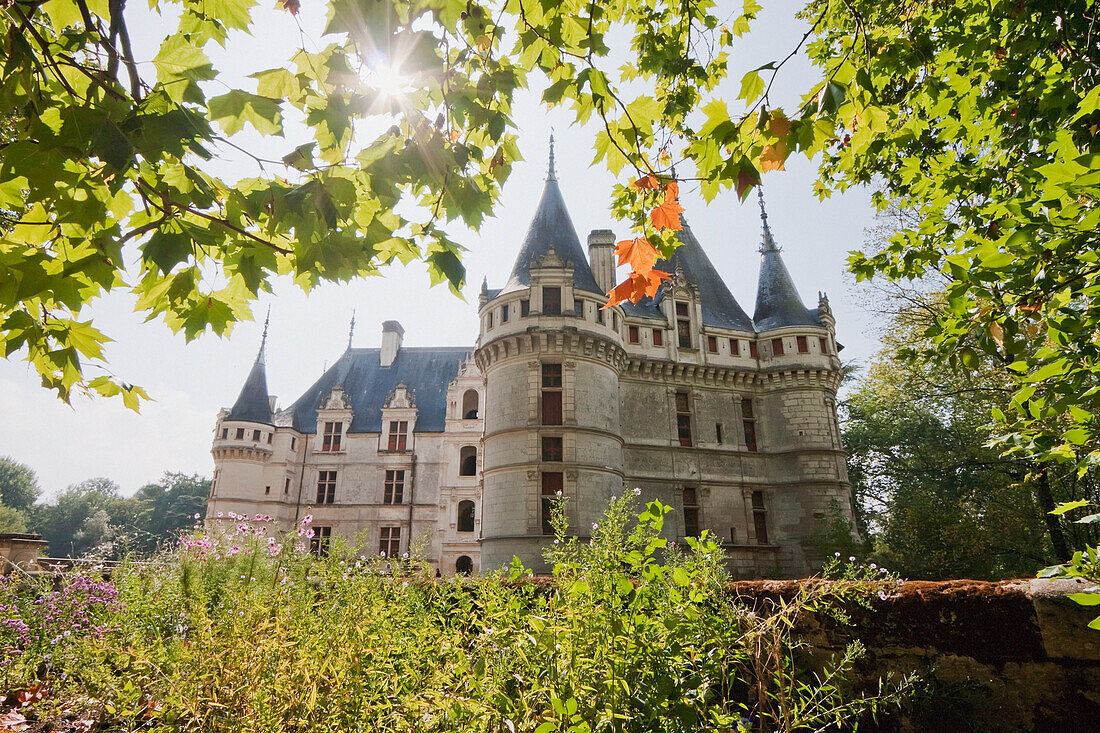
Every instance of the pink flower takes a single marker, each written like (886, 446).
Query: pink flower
(259, 517)
(307, 520)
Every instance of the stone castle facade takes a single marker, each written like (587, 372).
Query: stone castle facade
(730, 420)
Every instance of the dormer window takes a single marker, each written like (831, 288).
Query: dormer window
(551, 301)
(330, 441)
(683, 326)
(398, 436)
(735, 347)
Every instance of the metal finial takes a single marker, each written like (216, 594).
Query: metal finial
(260, 356)
(552, 175)
(769, 242)
(351, 328)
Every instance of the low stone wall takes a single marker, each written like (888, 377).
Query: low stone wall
(1006, 656)
(20, 551)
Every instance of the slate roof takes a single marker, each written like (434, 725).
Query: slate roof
(253, 404)
(552, 227)
(720, 308)
(778, 303)
(426, 372)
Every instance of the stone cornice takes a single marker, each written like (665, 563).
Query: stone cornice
(566, 342)
(710, 375)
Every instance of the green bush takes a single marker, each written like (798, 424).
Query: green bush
(247, 632)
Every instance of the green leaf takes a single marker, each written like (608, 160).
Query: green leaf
(1069, 506)
(752, 86)
(1085, 599)
(233, 109)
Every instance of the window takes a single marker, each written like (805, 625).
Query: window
(256, 436)
(389, 541)
(551, 394)
(632, 332)
(214, 482)
(225, 433)
(658, 337)
(615, 321)
(599, 315)
(735, 347)
(326, 487)
(394, 488)
(803, 346)
(330, 442)
(469, 404)
(718, 433)
(504, 314)
(464, 565)
(551, 448)
(318, 543)
(691, 513)
(712, 344)
(465, 516)
(777, 347)
(267, 490)
(293, 443)
(269, 437)
(754, 352)
(551, 489)
(759, 518)
(286, 486)
(683, 326)
(683, 418)
(578, 307)
(399, 430)
(551, 301)
(524, 308)
(748, 419)
(489, 320)
(824, 343)
(240, 433)
(467, 459)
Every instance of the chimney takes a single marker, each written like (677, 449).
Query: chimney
(391, 341)
(601, 257)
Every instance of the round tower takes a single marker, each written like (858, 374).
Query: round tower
(551, 359)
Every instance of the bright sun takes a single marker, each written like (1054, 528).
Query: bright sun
(385, 76)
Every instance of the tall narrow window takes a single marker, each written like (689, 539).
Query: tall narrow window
(683, 418)
(599, 315)
(489, 320)
(712, 344)
(318, 543)
(551, 394)
(615, 322)
(683, 326)
(504, 314)
(551, 301)
(658, 337)
(551, 448)
(389, 541)
(578, 308)
(465, 516)
(399, 433)
(293, 443)
(551, 488)
(524, 308)
(330, 441)
(225, 433)
(286, 486)
(691, 513)
(754, 351)
(256, 436)
(632, 334)
(748, 420)
(394, 488)
(467, 461)
(718, 433)
(326, 487)
(735, 347)
(803, 345)
(470, 404)
(824, 344)
(267, 490)
(759, 518)
(777, 347)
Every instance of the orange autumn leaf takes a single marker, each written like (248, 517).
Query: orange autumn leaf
(779, 125)
(667, 215)
(647, 181)
(672, 190)
(637, 286)
(455, 135)
(638, 253)
(773, 157)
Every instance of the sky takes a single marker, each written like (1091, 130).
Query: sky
(189, 382)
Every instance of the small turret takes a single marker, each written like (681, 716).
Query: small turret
(777, 301)
(601, 256)
(254, 403)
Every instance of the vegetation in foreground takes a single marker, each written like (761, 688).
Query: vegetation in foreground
(252, 632)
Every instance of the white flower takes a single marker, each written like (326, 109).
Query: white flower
(637, 491)
(836, 554)
(595, 526)
(557, 541)
(882, 595)
(557, 493)
(196, 515)
(852, 558)
(873, 566)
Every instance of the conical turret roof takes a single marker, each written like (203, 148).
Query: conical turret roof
(254, 404)
(777, 301)
(551, 228)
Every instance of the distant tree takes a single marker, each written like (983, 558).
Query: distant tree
(18, 484)
(165, 508)
(85, 517)
(13, 520)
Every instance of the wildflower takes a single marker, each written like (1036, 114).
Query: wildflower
(882, 595)
(557, 493)
(196, 515)
(836, 554)
(852, 558)
(221, 514)
(259, 517)
(307, 520)
(595, 526)
(873, 566)
(637, 491)
(557, 541)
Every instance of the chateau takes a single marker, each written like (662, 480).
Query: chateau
(459, 452)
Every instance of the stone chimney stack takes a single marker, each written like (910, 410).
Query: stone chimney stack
(391, 341)
(601, 257)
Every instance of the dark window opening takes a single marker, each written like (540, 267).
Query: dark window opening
(552, 448)
(286, 486)
(551, 407)
(398, 437)
(504, 314)
(318, 543)
(718, 433)
(269, 437)
(240, 433)
(330, 442)
(632, 332)
(551, 301)
(552, 484)
(293, 443)
(754, 351)
(578, 307)
(394, 487)
(326, 487)
(658, 337)
(524, 308)
(267, 490)
(489, 320)
(712, 344)
(759, 518)
(465, 516)
(748, 420)
(824, 343)
(683, 418)
(389, 541)
(777, 347)
(464, 565)
(225, 433)
(551, 375)
(468, 461)
(735, 347)
(256, 436)
(470, 404)
(691, 513)
(599, 315)
(803, 345)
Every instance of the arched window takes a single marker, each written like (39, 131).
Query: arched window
(464, 565)
(465, 516)
(469, 405)
(468, 461)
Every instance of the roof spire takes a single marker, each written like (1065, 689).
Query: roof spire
(351, 328)
(552, 175)
(768, 244)
(260, 356)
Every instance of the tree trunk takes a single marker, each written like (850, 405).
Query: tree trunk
(1054, 523)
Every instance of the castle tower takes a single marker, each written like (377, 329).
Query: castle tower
(551, 359)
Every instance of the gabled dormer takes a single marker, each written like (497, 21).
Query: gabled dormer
(398, 421)
(334, 417)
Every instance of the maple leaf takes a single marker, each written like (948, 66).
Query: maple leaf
(292, 5)
(772, 157)
(667, 215)
(647, 181)
(638, 253)
(779, 125)
(747, 177)
(672, 191)
(637, 285)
